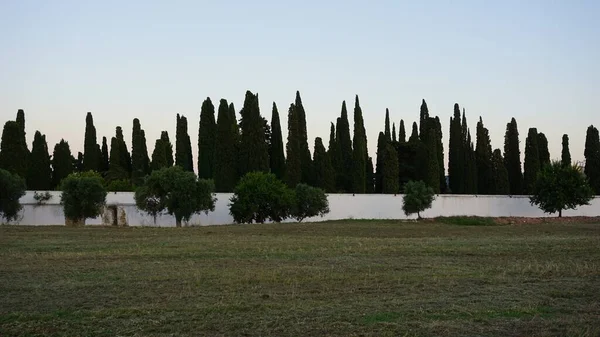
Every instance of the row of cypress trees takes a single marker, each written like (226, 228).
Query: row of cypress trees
(228, 149)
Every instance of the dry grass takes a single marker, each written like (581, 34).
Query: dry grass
(344, 278)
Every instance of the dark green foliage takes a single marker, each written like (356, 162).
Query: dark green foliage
(91, 158)
(104, 157)
(333, 153)
(83, 196)
(254, 152)
(12, 188)
(414, 136)
(430, 141)
(456, 154)
(183, 145)
(380, 162)
(345, 163)
(159, 155)
(468, 159)
(402, 132)
(565, 153)
(62, 162)
(512, 158)
(13, 149)
(544, 153)
(309, 202)
(123, 151)
(423, 120)
(305, 158)
(177, 192)
(140, 164)
(410, 158)
(390, 174)
(531, 165)
(226, 149)
(394, 132)
(370, 188)
(164, 136)
(388, 133)
(39, 173)
(559, 187)
(78, 162)
(207, 134)
(116, 168)
(483, 154)
(359, 153)
(500, 184)
(440, 156)
(121, 185)
(21, 121)
(592, 158)
(276, 154)
(323, 169)
(418, 197)
(293, 169)
(259, 197)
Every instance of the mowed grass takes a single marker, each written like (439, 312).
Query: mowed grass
(343, 278)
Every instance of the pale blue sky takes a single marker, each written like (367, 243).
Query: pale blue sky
(535, 60)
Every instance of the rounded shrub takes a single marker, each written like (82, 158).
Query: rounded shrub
(12, 188)
(83, 196)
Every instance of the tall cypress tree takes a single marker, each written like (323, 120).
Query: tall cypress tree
(91, 160)
(402, 132)
(293, 169)
(471, 168)
(164, 136)
(324, 174)
(39, 173)
(183, 145)
(544, 154)
(62, 162)
(390, 174)
(440, 156)
(592, 158)
(276, 154)
(104, 157)
(370, 177)
(159, 155)
(565, 153)
(207, 133)
(345, 169)
(305, 157)
(13, 150)
(125, 160)
(359, 153)
(226, 174)
(430, 141)
(117, 166)
(379, 166)
(456, 154)
(394, 132)
(500, 184)
(483, 154)
(388, 133)
(512, 158)
(22, 140)
(424, 116)
(254, 151)
(139, 154)
(531, 165)
(78, 162)
(414, 136)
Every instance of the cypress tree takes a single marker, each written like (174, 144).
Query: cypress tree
(332, 144)
(394, 132)
(91, 159)
(565, 153)
(424, 116)
(531, 165)
(293, 169)
(13, 151)
(117, 166)
(455, 154)
(164, 136)
(500, 184)
(430, 141)
(402, 132)
(390, 174)
(104, 157)
(483, 154)
(225, 152)
(388, 134)
(125, 160)
(345, 169)
(592, 158)
(21, 121)
(305, 158)
(276, 154)
(324, 174)
(380, 162)
(440, 156)
(159, 155)
(370, 177)
(78, 163)
(254, 151)
(512, 158)
(139, 154)
(62, 162)
(414, 136)
(207, 133)
(471, 168)
(39, 173)
(234, 120)
(544, 154)
(359, 153)
(183, 145)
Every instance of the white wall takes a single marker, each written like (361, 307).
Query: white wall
(342, 206)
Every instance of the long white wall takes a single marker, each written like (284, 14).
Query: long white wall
(342, 206)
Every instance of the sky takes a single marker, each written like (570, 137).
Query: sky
(534, 60)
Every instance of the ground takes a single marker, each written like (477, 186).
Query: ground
(345, 278)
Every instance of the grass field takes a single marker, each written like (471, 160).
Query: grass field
(351, 278)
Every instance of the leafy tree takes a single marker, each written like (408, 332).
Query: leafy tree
(104, 157)
(456, 154)
(62, 162)
(91, 157)
(394, 132)
(544, 154)
(417, 198)
(13, 151)
(500, 184)
(531, 165)
(294, 160)
(414, 136)
(177, 192)
(402, 132)
(424, 118)
(39, 172)
(345, 158)
(359, 153)
(276, 155)
(305, 158)
(483, 154)
(207, 133)
(226, 149)
(565, 153)
(512, 158)
(12, 188)
(259, 197)
(324, 173)
(164, 136)
(121, 185)
(390, 174)
(371, 176)
(309, 202)
(592, 158)
(83, 196)
(388, 133)
(254, 154)
(559, 187)
(139, 154)
(183, 145)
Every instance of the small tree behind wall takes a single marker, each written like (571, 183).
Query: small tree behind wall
(83, 196)
(418, 197)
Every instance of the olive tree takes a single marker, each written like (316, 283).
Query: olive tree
(83, 196)
(309, 201)
(12, 188)
(418, 197)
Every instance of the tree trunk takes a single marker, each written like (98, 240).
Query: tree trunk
(418, 215)
(75, 222)
(177, 222)
(560, 213)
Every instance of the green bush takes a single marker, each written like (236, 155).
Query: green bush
(309, 201)
(12, 188)
(120, 185)
(83, 196)
(418, 197)
(259, 197)
(177, 192)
